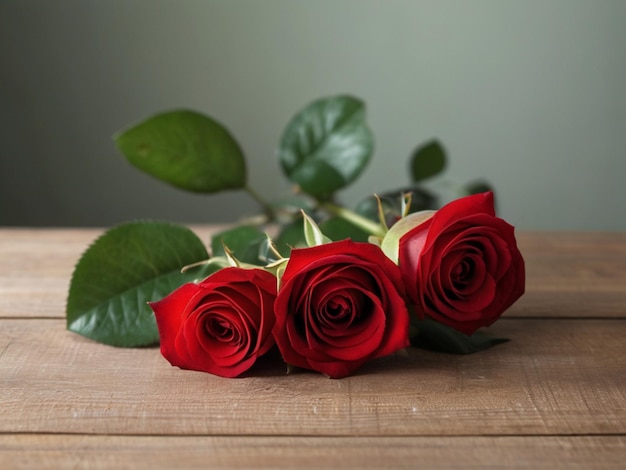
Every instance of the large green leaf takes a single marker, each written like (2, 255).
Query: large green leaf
(126, 267)
(186, 149)
(427, 160)
(327, 145)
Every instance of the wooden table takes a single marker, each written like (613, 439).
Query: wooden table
(552, 397)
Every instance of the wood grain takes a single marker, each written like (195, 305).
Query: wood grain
(553, 397)
(573, 275)
(167, 452)
(553, 377)
(35, 269)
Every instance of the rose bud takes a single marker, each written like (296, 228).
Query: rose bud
(221, 325)
(460, 264)
(339, 305)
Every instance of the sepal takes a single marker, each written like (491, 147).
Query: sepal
(391, 240)
(312, 233)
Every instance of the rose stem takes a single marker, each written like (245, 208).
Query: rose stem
(269, 211)
(365, 224)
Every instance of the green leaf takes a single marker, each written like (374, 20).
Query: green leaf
(392, 203)
(327, 145)
(186, 149)
(243, 241)
(438, 337)
(369, 207)
(421, 199)
(427, 161)
(126, 267)
(337, 228)
(290, 236)
(477, 187)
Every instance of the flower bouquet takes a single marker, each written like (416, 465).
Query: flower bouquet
(328, 287)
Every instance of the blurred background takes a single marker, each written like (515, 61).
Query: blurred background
(529, 95)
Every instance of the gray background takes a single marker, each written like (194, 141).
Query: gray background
(527, 94)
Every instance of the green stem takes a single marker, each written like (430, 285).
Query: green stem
(356, 219)
(267, 208)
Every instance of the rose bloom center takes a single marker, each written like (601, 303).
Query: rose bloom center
(221, 329)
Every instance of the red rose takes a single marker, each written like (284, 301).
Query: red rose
(461, 264)
(221, 325)
(339, 305)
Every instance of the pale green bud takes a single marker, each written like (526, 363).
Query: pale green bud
(391, 241)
